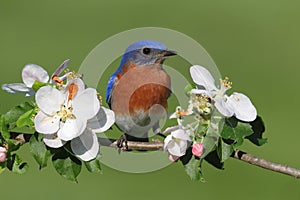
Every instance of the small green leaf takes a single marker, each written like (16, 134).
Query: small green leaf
(37, 85)
(209, 144)
(237, 134)
(12, 145)
(16, 165)
(228, 132)
(2, 166)
(4, 132)
(188, 88)
(94, 166)
(192, 168)
(13, 115)
(23, 130)
(243, 129)
(224, 150)
(210, 141)
(39, 150)
(66, 165)
(26, 119)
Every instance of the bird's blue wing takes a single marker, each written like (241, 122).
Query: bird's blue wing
(109, 89)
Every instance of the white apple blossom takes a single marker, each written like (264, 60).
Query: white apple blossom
(236, 104)
(32, 73)
(72, 114)
(177, 143)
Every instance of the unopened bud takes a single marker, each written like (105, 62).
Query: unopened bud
(198, 149)
(2, 154)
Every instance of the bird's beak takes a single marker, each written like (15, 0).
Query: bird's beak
(168, 53)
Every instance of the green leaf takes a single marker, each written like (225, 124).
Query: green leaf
(37, 85)
(4, 132)
(12, 146)
(237, 133)
(26, 119)
(228, 132)
(13, 115)
(192, 168)
(188, 88)
(209, 144)
(16, 165)
(224, 150)
(210, 141)
(2, 166)
(94, 166)
(67, 165)
(39, 150)
(23, 130)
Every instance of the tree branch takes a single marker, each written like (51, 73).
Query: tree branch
(240, 155)
(158, 145)
(260, 162)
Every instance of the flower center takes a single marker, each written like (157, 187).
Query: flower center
(177, 140)
(225, 85)
(66, 110)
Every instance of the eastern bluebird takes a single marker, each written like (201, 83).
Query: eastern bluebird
(138, 91)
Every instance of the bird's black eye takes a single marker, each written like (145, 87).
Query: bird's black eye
(146, 51)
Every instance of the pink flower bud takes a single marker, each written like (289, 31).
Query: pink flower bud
(2, 154)
(198, 149)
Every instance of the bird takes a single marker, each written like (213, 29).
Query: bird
(138, 90)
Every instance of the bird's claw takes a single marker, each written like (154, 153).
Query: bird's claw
(122, 144)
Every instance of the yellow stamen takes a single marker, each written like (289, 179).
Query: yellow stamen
(227, 83)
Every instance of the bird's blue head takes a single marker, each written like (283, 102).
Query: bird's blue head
(141, 53)
(146, 52)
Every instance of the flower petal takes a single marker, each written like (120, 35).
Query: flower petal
(53, 141)
(32, 72)
(79, 83)
(86, 146)
(15, 88)
(49, 99)
(71, 129)
(181, 134)
(242, 106)
(201, 76)
(200, 91)
(61, 68)
(86, 105)
(104, 119)
(167, 140)
(173, 158)
(171, 129)
(46, 124)
(177, 148)
(223, 107)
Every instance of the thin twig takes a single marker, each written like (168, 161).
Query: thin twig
(240, 155)
(260, 162)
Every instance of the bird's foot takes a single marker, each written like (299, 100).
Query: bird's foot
(122, 143)
(161, 135)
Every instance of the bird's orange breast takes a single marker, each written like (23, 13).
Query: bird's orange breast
(139, 89)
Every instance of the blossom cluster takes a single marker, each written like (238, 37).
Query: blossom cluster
(67, 110)
(205, 101)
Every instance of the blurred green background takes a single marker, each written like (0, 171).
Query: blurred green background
(256, 43)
